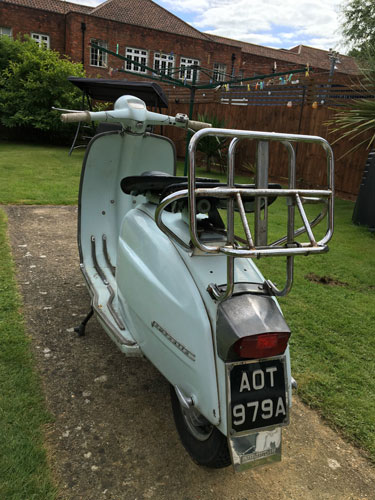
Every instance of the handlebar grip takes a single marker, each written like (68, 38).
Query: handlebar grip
(198, 125)
(79, 116)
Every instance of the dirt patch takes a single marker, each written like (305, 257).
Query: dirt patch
(113, 435)
(324, 280)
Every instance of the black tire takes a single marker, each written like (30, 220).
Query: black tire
(211, 448)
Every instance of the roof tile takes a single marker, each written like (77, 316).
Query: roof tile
(320, 59)
(52, 5)
(148, 14)
(302, 54)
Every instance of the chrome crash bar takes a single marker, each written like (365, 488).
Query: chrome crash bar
(256, 245)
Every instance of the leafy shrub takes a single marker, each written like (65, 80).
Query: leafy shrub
(32, 80)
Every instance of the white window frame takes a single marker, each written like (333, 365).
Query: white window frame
(136, 55)
(186, 73)
(41, 39)
(164, 63)
(219, 73)
(98, 58)
(4, 31)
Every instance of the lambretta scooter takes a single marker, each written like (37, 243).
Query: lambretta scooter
(170, 280)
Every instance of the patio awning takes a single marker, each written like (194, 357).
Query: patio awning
(110, 90)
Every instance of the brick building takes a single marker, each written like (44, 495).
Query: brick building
(147, 33)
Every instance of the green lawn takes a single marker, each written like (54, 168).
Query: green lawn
(39, 175)
(333, 325)
(23, 467)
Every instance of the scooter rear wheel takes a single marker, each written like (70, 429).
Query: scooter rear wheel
(203, 441)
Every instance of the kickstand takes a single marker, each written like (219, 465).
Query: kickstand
(81, 328)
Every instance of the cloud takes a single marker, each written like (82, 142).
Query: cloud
(257, 38)
(186, 6)
(266, 22)
(272, 22)
(90, 3)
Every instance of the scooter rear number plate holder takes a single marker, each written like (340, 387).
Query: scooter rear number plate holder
(257, 395)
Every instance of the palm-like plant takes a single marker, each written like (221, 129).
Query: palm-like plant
(212, 146)
(357, 119)
(357, 122)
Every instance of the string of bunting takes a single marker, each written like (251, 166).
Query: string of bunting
(260, 85)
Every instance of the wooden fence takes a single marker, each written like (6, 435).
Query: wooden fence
(300, 118)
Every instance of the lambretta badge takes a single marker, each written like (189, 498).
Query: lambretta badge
(173, 341)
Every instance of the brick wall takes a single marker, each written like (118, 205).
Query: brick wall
(118, 34)
(66, 36)
(252, 65)
(26, 21)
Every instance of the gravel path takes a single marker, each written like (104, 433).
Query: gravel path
(113, 435)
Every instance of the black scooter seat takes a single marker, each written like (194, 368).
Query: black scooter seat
(157, 183)
(162, 185)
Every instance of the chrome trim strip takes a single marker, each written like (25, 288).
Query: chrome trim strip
(98, 311)
(186, 402)
(106, 255)
(95, 262)
(115, 316)
(100, 272)
(173, 341)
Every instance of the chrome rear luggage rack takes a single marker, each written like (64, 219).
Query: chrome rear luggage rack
(256, 245)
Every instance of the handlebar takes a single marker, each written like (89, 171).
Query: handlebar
(194, 125)
(85, 116)
(78, 116)
(132, 113)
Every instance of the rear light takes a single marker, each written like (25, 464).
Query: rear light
(264, 345)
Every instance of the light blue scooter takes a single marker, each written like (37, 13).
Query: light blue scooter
(170, 280)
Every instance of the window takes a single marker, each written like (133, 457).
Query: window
(41, 40)
(98, 57)
(219, 74)
(6, 32)
(164, 63)
(137, 55)
(186, 71)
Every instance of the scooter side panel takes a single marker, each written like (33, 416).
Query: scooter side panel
(102, 205)
(173, 328)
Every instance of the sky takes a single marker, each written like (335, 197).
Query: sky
(274, 23)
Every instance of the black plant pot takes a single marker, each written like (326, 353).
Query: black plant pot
(364, 210)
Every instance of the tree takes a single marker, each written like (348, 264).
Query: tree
(358, 25)
(32, 80)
